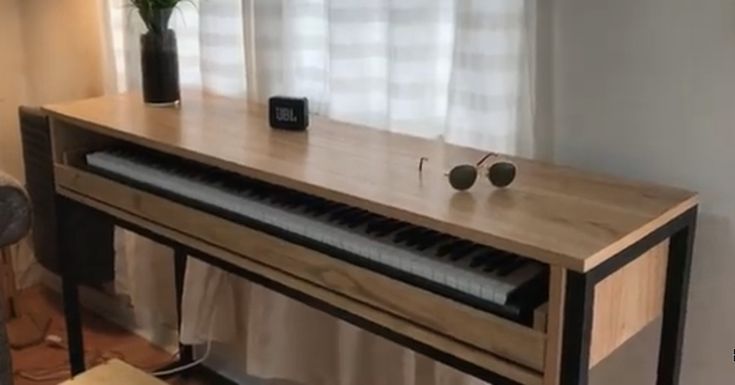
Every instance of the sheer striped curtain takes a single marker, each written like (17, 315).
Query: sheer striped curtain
(458, 70)
(210, 41)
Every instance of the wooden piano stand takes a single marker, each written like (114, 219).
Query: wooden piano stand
(618, 252)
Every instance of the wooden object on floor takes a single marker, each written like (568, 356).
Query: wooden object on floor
(114, 372)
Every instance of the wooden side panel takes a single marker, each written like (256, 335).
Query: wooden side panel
(540, 317)
(627, 301)
(481, 329)
(461, 350)
(555, 325)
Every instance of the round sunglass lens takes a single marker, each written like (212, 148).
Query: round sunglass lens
(463, 177)
(502, 174)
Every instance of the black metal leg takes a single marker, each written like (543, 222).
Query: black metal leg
(675, 303)
(577, 330)
(73, 317)
(186, 352)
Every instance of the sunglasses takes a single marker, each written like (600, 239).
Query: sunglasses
(500, 174)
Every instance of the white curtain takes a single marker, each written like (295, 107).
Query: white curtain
(457, 70)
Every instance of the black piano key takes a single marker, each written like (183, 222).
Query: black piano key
(281, 201)
(498, 262)
(224, 179)
(318, 208)
(509, 268)
(346, 215)
(322, 208)
(327, 208)
(405, 234)
(506, 264)
(259, 191)
(478, 260)
(430, 240)
(486, 258)
(462, 251)
(362, 219)
(263, 193)
(527, 294)
(313, 206)
(337, 216)
(351, 217)
(338, 211)
(420, 236)
(448, 240)
(292, 199)
(307, 201)
(444, 249)
(377, 224)
(391, 228)
(277, 196)
(301, 202)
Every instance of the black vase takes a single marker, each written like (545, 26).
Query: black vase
(160, 68)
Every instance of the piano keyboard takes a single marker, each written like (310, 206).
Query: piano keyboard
(503, 283)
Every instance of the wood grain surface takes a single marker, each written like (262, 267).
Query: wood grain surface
(555, 325)
(627, 301)
(555, 214)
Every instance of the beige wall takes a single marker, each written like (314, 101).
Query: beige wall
(646, 89)
(12, 85)
(51, 51)
(63, 49)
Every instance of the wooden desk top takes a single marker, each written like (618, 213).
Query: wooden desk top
(554, 214)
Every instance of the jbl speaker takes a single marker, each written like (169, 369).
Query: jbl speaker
(288, 113)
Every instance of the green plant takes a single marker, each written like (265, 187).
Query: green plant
(155, 13)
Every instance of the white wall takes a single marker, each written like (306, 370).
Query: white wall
(646, 89)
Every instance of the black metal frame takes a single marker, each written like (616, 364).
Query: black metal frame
(579, 304)
(580, 295)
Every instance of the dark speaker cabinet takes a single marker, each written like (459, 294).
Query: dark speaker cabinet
(60, 225)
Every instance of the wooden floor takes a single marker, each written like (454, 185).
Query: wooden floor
(102, 340)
